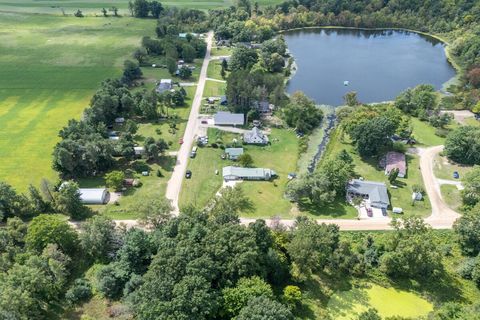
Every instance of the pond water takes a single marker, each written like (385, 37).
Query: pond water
(378, 65)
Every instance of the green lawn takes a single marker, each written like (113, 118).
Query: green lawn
(389, 302)
(444, 168)
(221, 51)
(214, 70)
(425, 133)
(50, 68)
(451, 195)
(152, 185)
(267, 197)
(369, 170)
(214, 89)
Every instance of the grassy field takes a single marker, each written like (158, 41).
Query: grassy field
(389, 302)
(425, 133)
(369, 170)
(214, 89)
(214, 70)
(50, 68)
(94, 7)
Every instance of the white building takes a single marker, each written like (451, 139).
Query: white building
(94, 195)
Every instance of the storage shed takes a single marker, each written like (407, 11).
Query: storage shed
(94, 195)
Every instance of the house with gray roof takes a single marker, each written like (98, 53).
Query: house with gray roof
(164, 85)
(233, 153)
(262, 106)
(374, 193)
(255, 136)
(225, 118)
(237, 173)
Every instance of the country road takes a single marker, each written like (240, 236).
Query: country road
(442, 216)
(174, 185)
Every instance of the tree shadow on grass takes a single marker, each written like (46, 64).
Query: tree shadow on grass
(167, 163)
(336, 209)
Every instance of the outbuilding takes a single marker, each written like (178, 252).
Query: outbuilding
(233, 153)
(237, 173)
(94, 195)
(225, 118)
(396, 160)
(139, 150)
(119, 120)
(164, 85)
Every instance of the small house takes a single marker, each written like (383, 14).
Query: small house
(255, 136)
(262, 106)
(164, 85)
(237, 173)
(94, 195)
(233, 153)
(374, 193)
(119, 120)
(139, 151)
(225, 118)
(396, 160)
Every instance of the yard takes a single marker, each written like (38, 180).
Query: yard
(214, 70)
(444, 168)
(40, 91)
(267, 197)
(369, 170)
(221, 51)
(152, 185)
(425, 134)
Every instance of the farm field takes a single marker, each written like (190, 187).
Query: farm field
(50, 67)
(93, 7)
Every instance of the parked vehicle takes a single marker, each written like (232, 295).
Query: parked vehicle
(369, 212)
(180, 141)
(188, 174)
(456, 175)
(193, 153)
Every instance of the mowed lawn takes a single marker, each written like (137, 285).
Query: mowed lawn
(50, 68)
(267, 196)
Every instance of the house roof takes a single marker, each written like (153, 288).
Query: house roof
(234, 151)
(255, 136)
(396, 160)
(225, 118)
(376, 191)
(248, 172)
(262, 106)
(164, 85)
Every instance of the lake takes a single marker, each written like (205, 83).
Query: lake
(377, 64)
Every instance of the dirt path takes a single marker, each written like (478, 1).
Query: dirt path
(175, 183)
(460, 115)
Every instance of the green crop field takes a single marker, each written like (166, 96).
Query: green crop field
(50, 68)
(93, 7)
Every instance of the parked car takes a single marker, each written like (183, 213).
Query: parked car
(180, 141)
(369, 212)
(456, 175)
(204, 122)
(188, 174)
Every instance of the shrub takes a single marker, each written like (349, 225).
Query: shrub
(80, 291)
(140, 166)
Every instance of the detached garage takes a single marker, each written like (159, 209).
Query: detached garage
(94, 195)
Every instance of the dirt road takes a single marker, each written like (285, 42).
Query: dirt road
(175, 183)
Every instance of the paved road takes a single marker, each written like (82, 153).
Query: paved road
(175, 183)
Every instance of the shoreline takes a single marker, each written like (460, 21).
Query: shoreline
(450, 58)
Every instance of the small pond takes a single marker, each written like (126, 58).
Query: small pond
(378, 65)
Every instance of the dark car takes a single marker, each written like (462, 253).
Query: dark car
(188, 174)
(369, 212)
(456, 175)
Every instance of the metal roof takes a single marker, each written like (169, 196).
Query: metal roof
(234, 151)
(228, 118)
(93, 195)
(255, 136)
(376, 191)
(248, 172)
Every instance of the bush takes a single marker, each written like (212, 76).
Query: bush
(80, 291)
(140, 166)
(465, 269)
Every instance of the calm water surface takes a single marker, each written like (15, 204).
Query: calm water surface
(377, 64)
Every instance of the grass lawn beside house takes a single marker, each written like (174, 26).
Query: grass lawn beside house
(221, 51)
(214, 89)
(369, 170)
(214, 70)
(424, 133)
